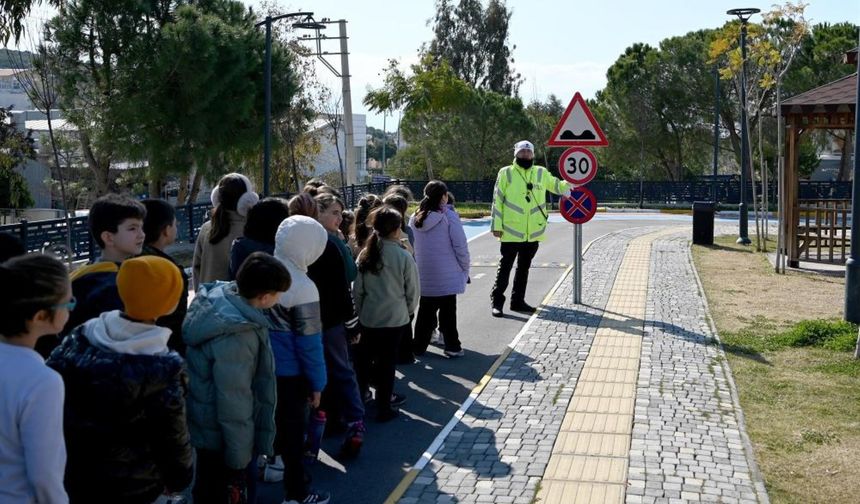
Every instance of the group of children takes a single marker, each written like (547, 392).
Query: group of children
(293, 311)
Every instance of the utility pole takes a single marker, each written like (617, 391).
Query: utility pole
(343, 73)
(852, 265)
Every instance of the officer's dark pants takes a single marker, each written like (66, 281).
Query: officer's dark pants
(523, 253)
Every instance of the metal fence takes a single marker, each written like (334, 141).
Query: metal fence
(51, 234)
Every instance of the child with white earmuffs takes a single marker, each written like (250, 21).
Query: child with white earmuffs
(231, 199)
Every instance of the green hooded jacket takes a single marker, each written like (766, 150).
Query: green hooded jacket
(232, 390)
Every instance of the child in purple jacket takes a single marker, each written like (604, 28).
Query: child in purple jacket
(442, 255)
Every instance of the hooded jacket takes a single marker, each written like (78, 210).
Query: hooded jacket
(125, 423)
(231, 398)
(297, 343)
(441, 253)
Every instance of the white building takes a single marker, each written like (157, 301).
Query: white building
(327, 160)
(12, 95)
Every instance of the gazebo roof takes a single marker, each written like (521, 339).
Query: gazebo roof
(841, 93)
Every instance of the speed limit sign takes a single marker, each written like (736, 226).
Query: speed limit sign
(577, 165)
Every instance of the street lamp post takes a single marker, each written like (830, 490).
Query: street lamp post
(267, 70)
(744, 16)
(852, 265)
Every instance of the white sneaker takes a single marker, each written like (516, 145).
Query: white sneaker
(436, 338)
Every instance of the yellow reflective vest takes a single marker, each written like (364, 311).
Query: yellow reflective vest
(518, 213)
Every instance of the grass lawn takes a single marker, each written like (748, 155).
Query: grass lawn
(798, 384)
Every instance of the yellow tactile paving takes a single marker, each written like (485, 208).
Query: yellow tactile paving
(586, 468)
(590, 443)
(563, 492)
(589, 458)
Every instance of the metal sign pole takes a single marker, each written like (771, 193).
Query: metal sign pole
(577, 263)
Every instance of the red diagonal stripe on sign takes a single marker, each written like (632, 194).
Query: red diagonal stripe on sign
(578, 204)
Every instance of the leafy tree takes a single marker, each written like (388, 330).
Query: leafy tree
(374, 145)
(12, 15)
(16, 148)
(654, 108)
(198, 106)
(544, 116)
(458, 131)
(474, 41)
(101, 45)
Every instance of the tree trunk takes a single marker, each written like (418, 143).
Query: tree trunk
(182, 195)
(69, 252)
(99, 168)
(154, 186)
(428, 162)
(195, 186)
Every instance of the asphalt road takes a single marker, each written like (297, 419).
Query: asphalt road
(435, 385)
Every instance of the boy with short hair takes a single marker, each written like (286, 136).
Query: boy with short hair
(231, 404)
(125, 423)
(116, 225)
(159, 226)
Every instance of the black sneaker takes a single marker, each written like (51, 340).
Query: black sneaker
(312, 498)
(523, 307)
(397, 399)
(497, 312)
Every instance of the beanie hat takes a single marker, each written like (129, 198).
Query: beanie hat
(523, 145)
(149, 286)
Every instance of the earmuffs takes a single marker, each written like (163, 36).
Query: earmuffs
(246, 201)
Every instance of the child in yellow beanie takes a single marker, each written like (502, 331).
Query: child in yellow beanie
(126, 432)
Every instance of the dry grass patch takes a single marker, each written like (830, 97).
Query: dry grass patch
(802, 404)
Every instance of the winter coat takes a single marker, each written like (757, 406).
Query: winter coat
(94, 288)
(175, 319)
(336, 304)
(242, 248)
(125, 424)
(441, 253)
(297, 345)
(390, 297)
(231, 399)
(212, 260)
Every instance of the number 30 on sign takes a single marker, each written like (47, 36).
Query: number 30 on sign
(577, 165)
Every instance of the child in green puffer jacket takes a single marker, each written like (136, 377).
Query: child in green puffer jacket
(232, 392)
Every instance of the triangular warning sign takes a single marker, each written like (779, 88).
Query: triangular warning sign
(577, 127)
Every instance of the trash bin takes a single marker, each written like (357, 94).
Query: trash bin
(703, 222)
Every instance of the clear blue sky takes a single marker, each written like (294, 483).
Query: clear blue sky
(562, 46)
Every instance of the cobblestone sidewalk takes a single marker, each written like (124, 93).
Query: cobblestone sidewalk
(682, 442)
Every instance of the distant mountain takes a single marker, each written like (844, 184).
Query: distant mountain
(12, 59)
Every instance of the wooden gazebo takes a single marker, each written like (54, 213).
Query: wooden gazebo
(816, 229)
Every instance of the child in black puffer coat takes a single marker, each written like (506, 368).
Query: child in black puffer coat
(125, 422)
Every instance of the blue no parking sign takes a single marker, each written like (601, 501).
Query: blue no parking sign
(578, 207)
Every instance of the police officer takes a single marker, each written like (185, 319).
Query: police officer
(519, 221)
